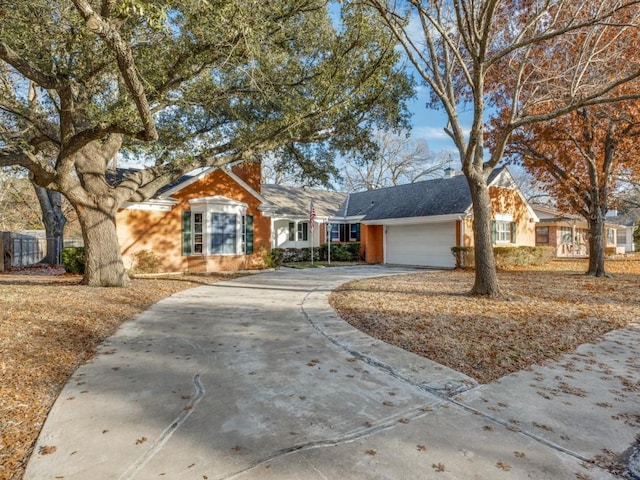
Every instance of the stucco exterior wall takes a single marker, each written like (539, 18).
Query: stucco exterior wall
(161, 232)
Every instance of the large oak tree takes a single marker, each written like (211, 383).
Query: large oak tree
(180, 85)
(473, 52)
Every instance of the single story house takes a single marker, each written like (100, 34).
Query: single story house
(569, 233)
(418, 223)
(626, 226)
(225, 219)
(222, 219)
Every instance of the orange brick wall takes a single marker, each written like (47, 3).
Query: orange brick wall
(250, 173)
(161, 232)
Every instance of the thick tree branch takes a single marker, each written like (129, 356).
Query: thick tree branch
(126, 63)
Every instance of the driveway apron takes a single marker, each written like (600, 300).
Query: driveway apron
(257, 378)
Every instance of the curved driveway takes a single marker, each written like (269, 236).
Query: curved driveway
(257, 378)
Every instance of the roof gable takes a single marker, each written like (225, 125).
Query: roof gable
(115, 177)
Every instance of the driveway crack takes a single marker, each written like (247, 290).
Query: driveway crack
(164, 437)
(445, 394)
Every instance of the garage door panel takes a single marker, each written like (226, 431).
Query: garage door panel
(424, 245)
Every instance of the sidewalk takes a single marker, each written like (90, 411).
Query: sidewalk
(257, 378)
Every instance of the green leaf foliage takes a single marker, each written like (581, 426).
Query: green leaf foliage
(224, 80)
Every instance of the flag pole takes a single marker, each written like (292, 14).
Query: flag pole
(329, 228)
(312, 221)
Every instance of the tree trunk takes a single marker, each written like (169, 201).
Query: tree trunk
(103, 260)
(486, 279)
(54, 222)
(596, 244)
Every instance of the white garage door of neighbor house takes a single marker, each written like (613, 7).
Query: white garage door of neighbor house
(426, 245)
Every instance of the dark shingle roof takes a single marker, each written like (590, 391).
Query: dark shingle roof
(441, 196)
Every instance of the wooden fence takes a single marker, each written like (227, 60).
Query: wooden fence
(21, 250)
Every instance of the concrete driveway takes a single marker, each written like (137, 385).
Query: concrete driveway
(257, 378)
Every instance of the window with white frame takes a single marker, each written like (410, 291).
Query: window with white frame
(198, 233)
(224, 234)
(299, 233)
(611, 236)
(217, 226)
(335, 232)
(503, 231)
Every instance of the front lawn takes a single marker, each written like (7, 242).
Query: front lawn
(544, 313)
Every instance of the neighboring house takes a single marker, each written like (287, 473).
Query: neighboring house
(626, 226)
(419, 223)
(569, 233)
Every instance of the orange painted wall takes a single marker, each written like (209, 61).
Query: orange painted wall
(507, 201)
(371, 243)
(161, 232)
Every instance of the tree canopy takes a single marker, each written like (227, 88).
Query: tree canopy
(180, 85)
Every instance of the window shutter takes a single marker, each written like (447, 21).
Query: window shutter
(513, 232)
(342, 232)
(186, 233)
(357, 232)
(248, 234)
(494, 232)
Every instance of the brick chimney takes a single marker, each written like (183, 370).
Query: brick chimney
(250, 173)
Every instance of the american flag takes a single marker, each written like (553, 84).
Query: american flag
(312, 217)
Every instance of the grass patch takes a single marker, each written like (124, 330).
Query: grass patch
(545, 312)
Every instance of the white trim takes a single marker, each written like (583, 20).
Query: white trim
(205, 173)
(503, 217)
(351, 219)
(216, 200)
(217, 204)
(191, 180)
(415, 220)
(154, 205)
(246, 186)
(505, 171)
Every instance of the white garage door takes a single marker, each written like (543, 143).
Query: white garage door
(425, 245)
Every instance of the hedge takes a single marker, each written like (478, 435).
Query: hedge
(340, 252)
(73, 260)
(506, 256)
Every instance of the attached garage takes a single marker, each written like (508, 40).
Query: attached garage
(424, 244)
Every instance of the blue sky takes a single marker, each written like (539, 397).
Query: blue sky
(428, 124)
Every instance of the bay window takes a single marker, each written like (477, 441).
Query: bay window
(216, 226)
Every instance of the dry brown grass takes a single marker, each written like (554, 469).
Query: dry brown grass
(544, 313)
(49, 325)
